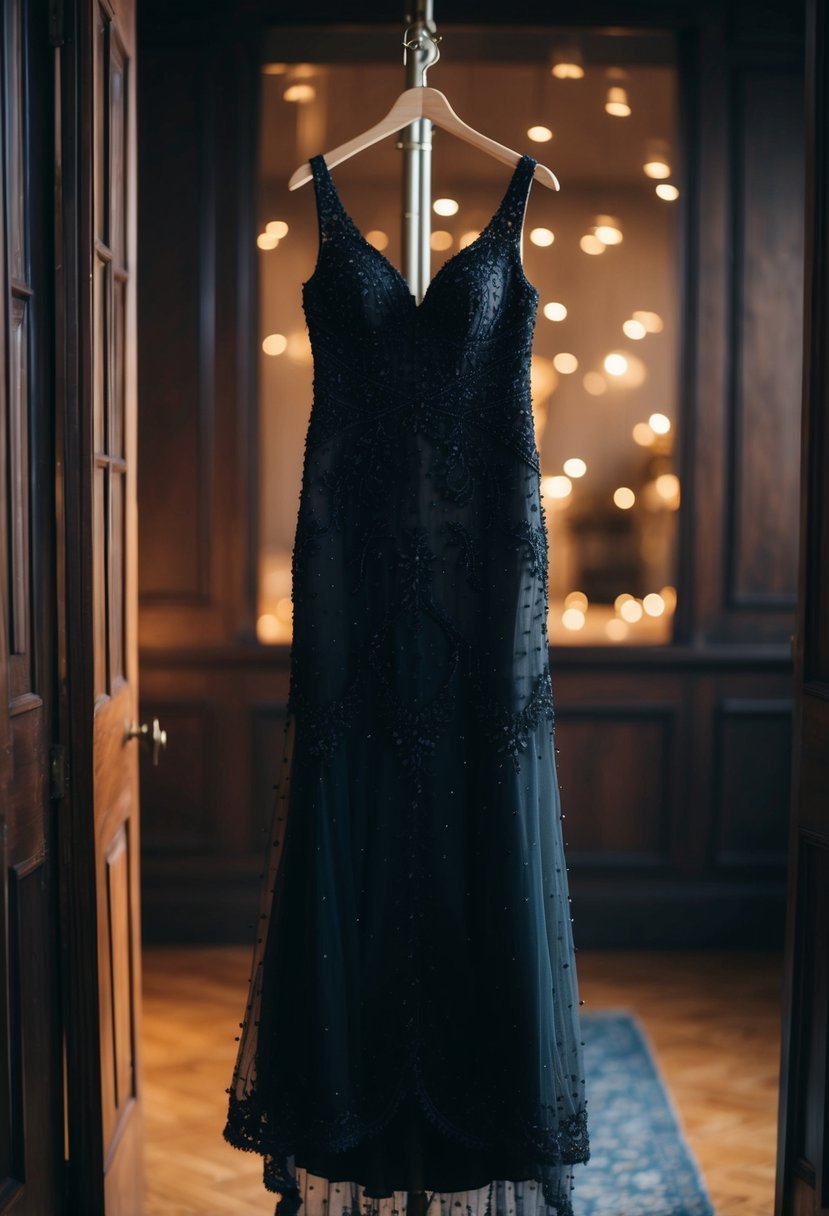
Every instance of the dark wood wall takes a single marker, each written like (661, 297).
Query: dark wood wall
(31, 1125)
(674, 762)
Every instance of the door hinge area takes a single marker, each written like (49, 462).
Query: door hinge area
(58, 771)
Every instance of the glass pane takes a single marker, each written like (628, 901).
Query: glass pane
(100, 168)
(117, 141)
(601, 112)
(100, 344)
(117, 575)
(100, 607)
(16, 92)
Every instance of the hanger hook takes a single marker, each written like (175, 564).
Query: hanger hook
(424, 40)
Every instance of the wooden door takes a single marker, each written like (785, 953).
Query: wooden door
(101, 844)
(31, 1141)
(803, 1150)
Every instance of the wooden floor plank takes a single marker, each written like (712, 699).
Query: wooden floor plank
(713, 1019)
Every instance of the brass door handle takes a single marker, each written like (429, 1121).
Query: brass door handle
(155, 741)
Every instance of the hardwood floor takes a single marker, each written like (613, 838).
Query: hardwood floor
(713, 1019)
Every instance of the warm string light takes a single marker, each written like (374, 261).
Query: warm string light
(629, 611)
(591, 244)
(625, 368)
(607, 234)
(445, 206)
(646, 433)
(273, 233)
(606, 231)
(543, 378)
(568, 63)
(617, 103)
(275, 344)
(299, 93)
(576, 599)
(556, 487)
(634, 330)
(617, 366)
(657, 159)
(651, 321)
(595, 384)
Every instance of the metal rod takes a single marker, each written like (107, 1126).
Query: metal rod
(421, 51)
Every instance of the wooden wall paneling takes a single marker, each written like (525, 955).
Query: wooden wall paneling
(750, 779)
(235, 691)
(688, 107)
(748, 353)
(617, 774)
(179, 795)
(751, 587)
(198, 475)
(31, 1119)
(178, 547)
(705, 334)
(205, 810)
(766, 290)
(700, 745)
(239, 130)
(713, 786)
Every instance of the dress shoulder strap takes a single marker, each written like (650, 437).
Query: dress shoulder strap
(510, 215)
(329, 207)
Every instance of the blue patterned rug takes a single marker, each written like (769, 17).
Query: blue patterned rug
(640, 1163)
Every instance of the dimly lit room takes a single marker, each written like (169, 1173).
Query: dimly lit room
(414, 780)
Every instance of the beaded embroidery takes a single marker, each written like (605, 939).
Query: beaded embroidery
(418, 941)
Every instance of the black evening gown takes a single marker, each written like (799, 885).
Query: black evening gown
(413, 1014)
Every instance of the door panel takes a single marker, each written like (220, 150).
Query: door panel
(116, 776)
(102, 892)
(803, 1151)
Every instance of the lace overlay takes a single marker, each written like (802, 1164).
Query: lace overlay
(412, 1018)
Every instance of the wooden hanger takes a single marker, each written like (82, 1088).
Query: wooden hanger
(422, 101)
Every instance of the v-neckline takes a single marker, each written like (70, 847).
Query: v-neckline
(398, 274)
